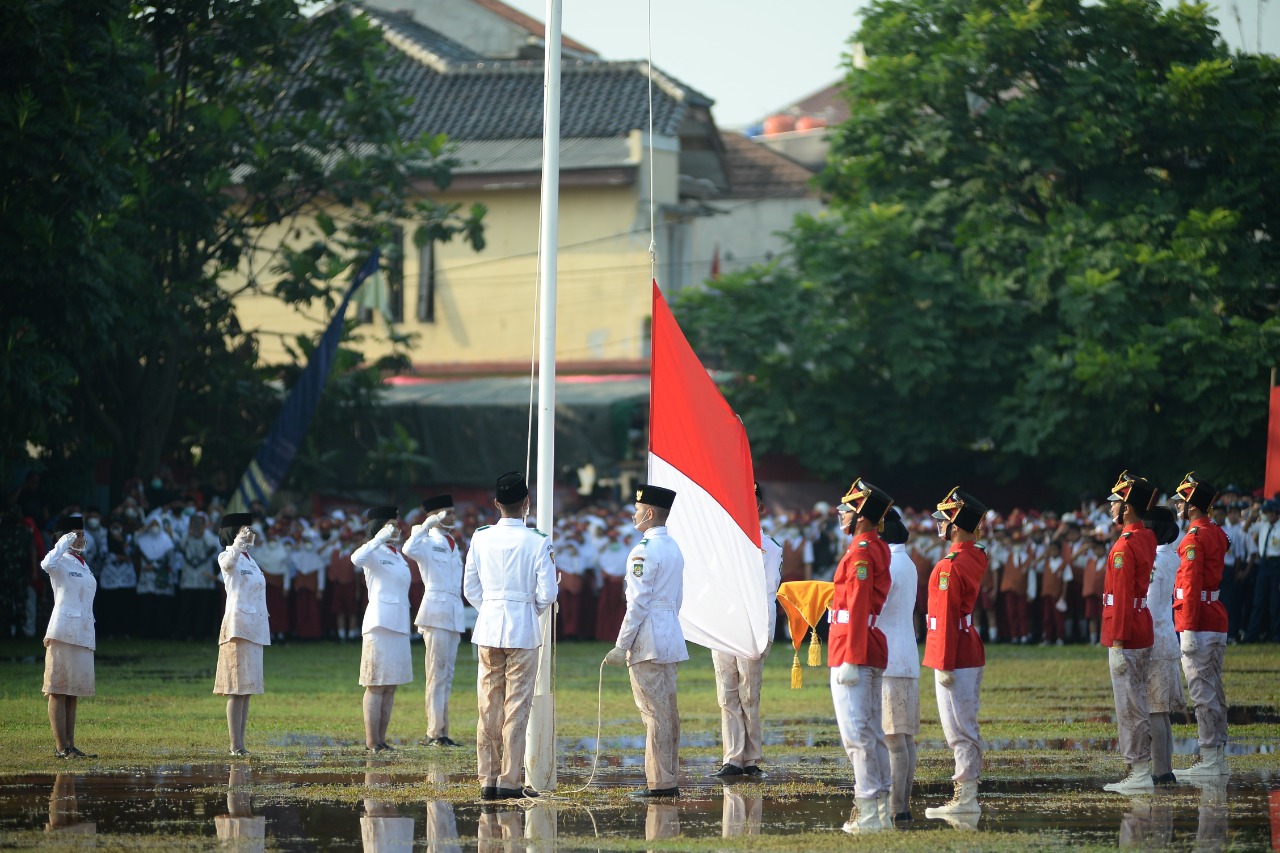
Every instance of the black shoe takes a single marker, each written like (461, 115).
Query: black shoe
(514, 793)
(445, 740)
(1168, 780)
(76, 753)
(427, 741)
(488, 792)
(240, 753)
(902, 817)
(63, 753)
(729, 770)
(384, 747)
(752, 770)
(655, 793)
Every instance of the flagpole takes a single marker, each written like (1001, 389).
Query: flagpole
(540, 753)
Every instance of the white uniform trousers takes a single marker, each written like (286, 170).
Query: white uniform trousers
(441, 650)
(504, 692)
(653, 685)
(738, 692)
(958, 712)
(740, 815)
(857, 710)
(1133, 717)
(1204, 681)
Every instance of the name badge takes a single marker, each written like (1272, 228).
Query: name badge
(74, 575)
(246, 572)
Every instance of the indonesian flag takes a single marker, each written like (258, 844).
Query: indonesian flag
(698, 448)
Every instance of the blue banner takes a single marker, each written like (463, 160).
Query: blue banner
(271, 463)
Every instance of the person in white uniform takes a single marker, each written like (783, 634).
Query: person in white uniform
(385, 661)
(738, 679)
(650, 641)
(900, 689)
(245, 627)
(70, 640)
(1164, 681)
(510, 578)
(439, 619)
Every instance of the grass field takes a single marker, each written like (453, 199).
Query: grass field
(1047, 713)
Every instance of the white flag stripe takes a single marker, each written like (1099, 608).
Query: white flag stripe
(724, 598)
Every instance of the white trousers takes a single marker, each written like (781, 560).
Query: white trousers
(858, 716)
(958, 712)
(441, 650)
(1204, 682)
(738, 692)
(1133, 716)
(653, 686)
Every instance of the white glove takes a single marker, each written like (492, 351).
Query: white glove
(433, 520)
(1116, 659)
(616, 657)
(1188, 642)
(946, 677)
(385, 533)
(67, 538)
(848, 675)
(241, 543)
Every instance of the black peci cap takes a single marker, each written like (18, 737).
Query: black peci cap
(511, 488)
(381, 513)
(71, 522)
(437, 502)
(655, 496)
(236, 520)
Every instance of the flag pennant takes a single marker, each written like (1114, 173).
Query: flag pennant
(271, 463)
(698, 447)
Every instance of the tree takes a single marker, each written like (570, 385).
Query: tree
(1059, 223)
(243, 120)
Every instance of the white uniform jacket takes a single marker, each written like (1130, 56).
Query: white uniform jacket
(896, 616)
(440, 565)
(73, 590)
(1160, 603)
(387, 576)
(655, 591)
(771, 551)
(246, 613)
(510, 579)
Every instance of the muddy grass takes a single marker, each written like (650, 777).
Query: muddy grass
(162, 779)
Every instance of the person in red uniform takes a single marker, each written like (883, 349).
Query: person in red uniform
(857, 654)
(953, 647)
(1126, 627)
(1202, 620)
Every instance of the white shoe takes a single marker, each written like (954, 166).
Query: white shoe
(1137, 782)
(963, 802)
(1212, 764)
(884, 812)
(867, 820)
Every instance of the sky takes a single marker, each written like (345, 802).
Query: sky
(754, 57)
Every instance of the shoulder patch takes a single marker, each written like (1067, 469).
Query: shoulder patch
(861, 568)
(1118, 563)
(637, 568)
(944, 580)
(1191, 554)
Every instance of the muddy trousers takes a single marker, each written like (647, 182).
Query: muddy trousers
(653, 686)
(1204, 682)
(504, 690)
(1132, 714)
(958, 713)
(441, 650)
(858, 714)
(738, 692)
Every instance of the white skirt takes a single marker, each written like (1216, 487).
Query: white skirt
(385, 659)
(900, 705)
(68, 669)
(239, 668)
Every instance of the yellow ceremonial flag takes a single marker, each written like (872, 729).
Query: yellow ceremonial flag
(805, 603)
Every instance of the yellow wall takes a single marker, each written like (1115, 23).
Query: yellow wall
(485, 301)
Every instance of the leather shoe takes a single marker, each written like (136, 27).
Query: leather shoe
(514, 793)
(729, 770)
(753, 770)
(240, 753)
(655, 793)
(1168, 780)
(78, 754)
(488, 792)
(445, 740)
(902, 817)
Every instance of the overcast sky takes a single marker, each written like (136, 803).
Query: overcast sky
(753, 57)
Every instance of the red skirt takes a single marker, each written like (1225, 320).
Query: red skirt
(610, 609)
(306, 615)
(277, 609)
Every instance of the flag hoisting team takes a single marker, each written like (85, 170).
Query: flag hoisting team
(1160, 603)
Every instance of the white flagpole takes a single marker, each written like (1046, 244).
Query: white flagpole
(540, 752)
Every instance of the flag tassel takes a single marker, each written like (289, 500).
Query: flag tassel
(815, 648)
(797, 674)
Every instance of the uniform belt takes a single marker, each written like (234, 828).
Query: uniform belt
(965, 622)
(505, 595)
(1205, 595)
(1110, 601)
(445, 591)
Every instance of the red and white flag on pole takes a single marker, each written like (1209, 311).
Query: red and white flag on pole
(698, 448)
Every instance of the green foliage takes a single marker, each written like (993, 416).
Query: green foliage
(1054, 233)
(151, 149)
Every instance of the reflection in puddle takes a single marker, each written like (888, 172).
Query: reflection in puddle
(232, 806)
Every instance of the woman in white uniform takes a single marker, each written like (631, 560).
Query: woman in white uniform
(385, 661)
(245, 629)
(70, 640)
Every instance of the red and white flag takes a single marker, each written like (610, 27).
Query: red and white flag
(698, 448)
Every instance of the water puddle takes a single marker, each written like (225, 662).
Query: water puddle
(245, 804)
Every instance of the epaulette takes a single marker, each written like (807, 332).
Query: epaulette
(539, 532)
(1125, 535)
(775, 541)
(862, 544)
(950, 556)
(1193, 530)
(644, 541)
(483, 527)
(980, 546)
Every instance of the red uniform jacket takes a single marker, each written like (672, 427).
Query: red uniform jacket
(1125, 617)
(862, 582)
(1195, 590)
(951, 642)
